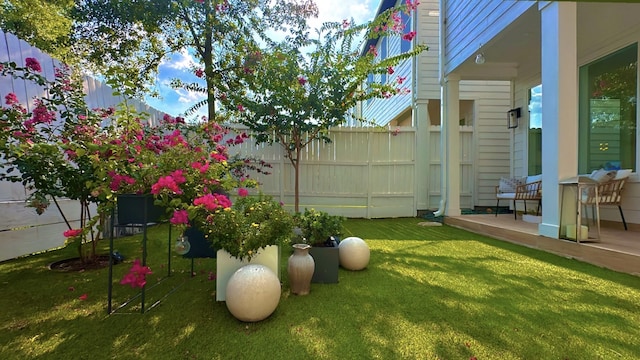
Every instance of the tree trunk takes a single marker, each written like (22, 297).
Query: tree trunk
(296, 170)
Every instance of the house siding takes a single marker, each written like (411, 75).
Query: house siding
(485, 155)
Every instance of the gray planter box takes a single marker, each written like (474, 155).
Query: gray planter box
(327, 262)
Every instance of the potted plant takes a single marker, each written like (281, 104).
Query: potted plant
(171, 163)
(249, 230)
(322, 231)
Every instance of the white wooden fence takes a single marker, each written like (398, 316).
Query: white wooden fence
(363, 172)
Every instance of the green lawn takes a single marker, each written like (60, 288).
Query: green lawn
(428, 293)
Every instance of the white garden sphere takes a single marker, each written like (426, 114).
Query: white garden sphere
(253, 293)
(354, 253)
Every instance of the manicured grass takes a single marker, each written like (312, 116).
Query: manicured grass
(428, 293)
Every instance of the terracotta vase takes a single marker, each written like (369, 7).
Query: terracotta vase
(300, 268)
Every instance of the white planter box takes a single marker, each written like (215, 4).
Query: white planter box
(226, 265)
(536, 219)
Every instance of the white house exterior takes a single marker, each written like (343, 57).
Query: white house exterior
(583, 54)
(482, 153)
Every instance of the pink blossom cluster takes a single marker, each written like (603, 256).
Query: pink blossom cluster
(239, 139)
(11, 99)
(202, 167)
(168, 119)
(180, 217)
(409, 36)
(412, 5)
(33, 64)
(213, 201)
(170, 182)
(137, 275)
(118, 180)
(72, 233)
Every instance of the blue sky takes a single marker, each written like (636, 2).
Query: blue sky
(175, 102)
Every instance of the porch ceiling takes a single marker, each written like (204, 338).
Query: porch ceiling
(516, 52)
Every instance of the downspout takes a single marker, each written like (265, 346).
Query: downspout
(443, 152)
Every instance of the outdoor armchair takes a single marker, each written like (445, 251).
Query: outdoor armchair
(525, 189)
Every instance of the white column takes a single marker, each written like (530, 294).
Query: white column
(559, 107)
(421, 122)
(451, 137)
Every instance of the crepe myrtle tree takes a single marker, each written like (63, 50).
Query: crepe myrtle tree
(134, 37)
(292, 99)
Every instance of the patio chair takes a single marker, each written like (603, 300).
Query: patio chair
(525, 189)
(609, 194)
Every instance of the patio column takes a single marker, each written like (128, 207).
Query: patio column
(451, 137)
(421, 122)
(559, 107)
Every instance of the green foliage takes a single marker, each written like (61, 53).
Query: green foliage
(293, 98)
(317, 226)
(46, 24)
(250, 224)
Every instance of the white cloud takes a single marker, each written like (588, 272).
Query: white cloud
(189, 97)
(179, 61)
(335, 10)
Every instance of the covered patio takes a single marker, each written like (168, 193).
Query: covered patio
(617, 249)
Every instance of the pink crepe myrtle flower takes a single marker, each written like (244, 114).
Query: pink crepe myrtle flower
(11, 99)
(136, 277)
(33, 64)
(212, 201)
(390, 70)
(398, 26)
(302, 80)
(242, 192)
(401, 79)
(218, 157)
(409, 36)
(166, 182)
(240, 108)
(118, 180)
(199, 73)
(201, 167)
(412, 5)
(72, 233)
(180, 217)
(373, 50)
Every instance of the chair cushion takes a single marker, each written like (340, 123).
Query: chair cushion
(509, 196)
(623, 174)
(602, 175)
(533, 178)
(509, 185)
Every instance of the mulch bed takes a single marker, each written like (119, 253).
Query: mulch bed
(77, 265)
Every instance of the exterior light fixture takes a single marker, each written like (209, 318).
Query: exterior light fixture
(480, 59)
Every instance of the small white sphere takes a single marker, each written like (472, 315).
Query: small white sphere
(253, 293)
(354, 253)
